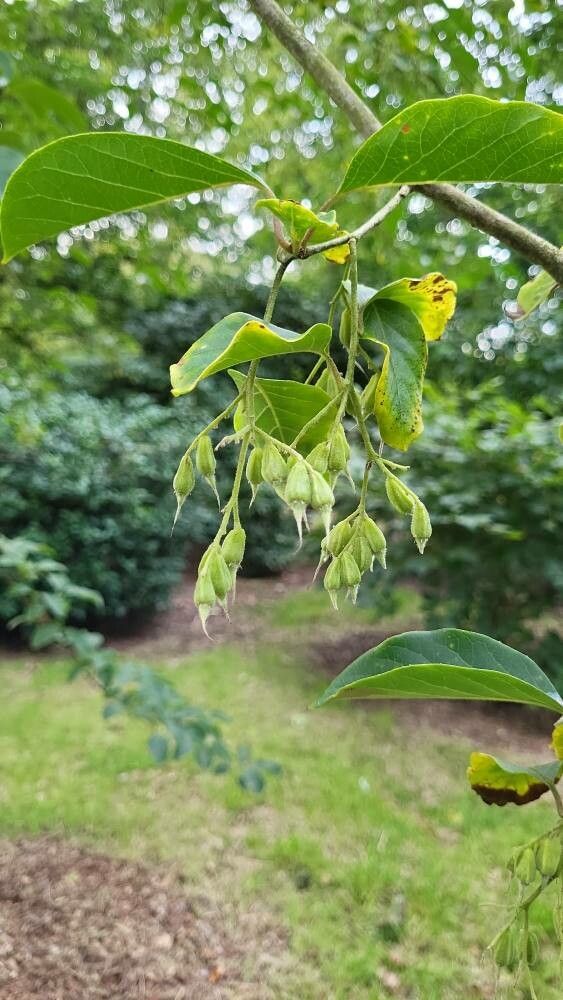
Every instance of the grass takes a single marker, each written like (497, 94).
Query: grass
(387, 871)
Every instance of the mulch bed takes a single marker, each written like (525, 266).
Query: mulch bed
(76, 925)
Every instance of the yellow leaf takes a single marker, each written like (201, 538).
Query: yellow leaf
(557, 739)
(338, 255)
(498, 782)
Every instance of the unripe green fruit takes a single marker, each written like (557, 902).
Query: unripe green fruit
(233, 547)
(204, 598)
(274, 469)
(506, 949)
(374, 537)
(351, 576)
(205, 457)
(421, 528)
(318, 457)
(183, 483)
(525, 868)
(338, 451)
(254, 470)
(219, 574)
(548, 856)
(338, 538)
(399, 496)
(298, 486)
(333, 576)
(321, 494)
(361, 552)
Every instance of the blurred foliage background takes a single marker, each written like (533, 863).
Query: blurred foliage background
(90, 437)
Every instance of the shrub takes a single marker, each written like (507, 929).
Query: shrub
(93, 479)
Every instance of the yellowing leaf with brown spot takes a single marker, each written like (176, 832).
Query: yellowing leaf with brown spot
(557, 739)
(432, 299)
(498, 782)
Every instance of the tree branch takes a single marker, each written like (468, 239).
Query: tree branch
(325, 74)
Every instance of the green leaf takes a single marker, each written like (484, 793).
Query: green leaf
(532, 294)
(9, 160)
(398, 394)
(7, 67)
(498, 782)
(282, 408)
(465, 138)
(446, 663)
(84, 177)
(237, 338)
(49, 104)
(158, 747)
(297, 220)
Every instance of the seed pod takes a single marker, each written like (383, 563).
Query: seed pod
(233, 547)
(205, 462)
(183, 483)
(318, 457)
(506, 949)
(421, 528)
(548, 855)
(361, 552)
(345, 330)
(321, 493)
(274, 469)
(219, 573)
(338, 451)
(374, 537)
(338, 538)
(525, 868)
(400, 497)
(532, 949)
(333, 580)
(204, 598)
(254, 471)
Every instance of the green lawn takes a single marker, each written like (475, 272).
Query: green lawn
(386, 869)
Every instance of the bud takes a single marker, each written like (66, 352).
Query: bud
(274, 469)
(506, 949)
(327, 383)
(345, 330)
(338, 538)
(204, 598)
(338, 451)
(548, 856)
(318, 457)
(219, 573)
(532, 950)
(421, 528)
(400, 497)
(205, 462)
(233, 547)
(525, 868)
(374, 537)
(367, 399)
(254, 471)
(333, 580)
(361, 552)
(298, 493)
(183, 483)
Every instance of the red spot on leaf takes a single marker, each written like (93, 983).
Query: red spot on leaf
(405, 128)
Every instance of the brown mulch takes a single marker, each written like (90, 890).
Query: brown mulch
(76, 925)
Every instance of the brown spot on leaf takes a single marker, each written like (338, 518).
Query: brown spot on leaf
(414, 282)
(502, 796)
(437, 279)
(405, 129)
